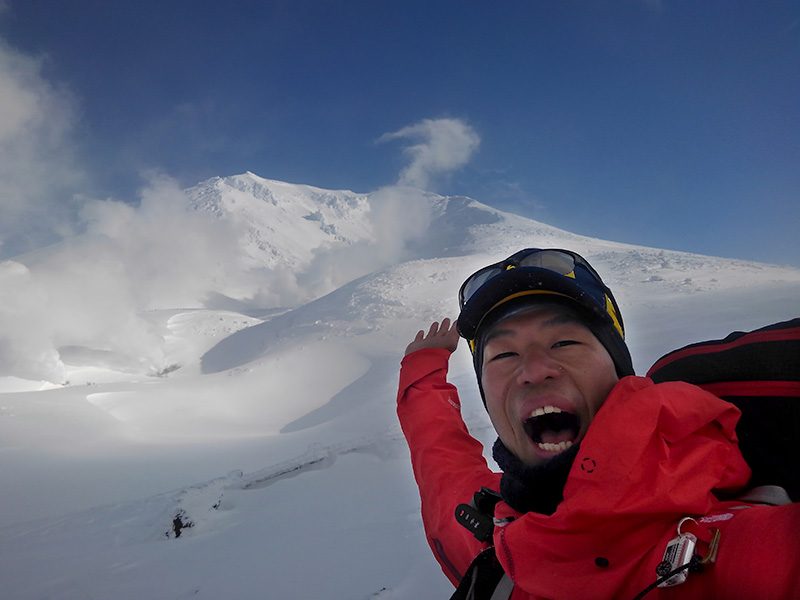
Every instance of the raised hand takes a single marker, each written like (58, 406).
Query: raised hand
(438, 336)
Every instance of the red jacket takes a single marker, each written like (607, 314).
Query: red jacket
(652, 456)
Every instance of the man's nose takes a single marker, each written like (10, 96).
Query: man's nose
(536, 367)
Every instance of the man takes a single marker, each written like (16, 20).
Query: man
(612, 486)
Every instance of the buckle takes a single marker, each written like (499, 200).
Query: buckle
(478, 517)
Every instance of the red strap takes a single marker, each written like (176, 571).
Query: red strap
(786, 389)
(776, 335)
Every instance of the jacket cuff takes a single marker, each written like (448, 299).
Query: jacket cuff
(422, 363)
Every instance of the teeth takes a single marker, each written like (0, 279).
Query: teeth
(559, 447)
(545, 410)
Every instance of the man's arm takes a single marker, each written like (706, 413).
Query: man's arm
(447, 461)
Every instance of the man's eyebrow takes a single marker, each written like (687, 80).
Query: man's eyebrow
(496, 333)
(559, 319)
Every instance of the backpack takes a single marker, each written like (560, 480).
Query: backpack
(759, 372)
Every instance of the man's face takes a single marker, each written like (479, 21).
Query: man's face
(544, 377)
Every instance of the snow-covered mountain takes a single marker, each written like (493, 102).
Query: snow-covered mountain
(260, 406)
(283, 224)
(287, 225)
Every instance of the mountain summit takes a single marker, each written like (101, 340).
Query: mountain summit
(283, 223)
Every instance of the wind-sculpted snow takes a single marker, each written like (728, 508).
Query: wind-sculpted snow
(242, 535)
(406, 293)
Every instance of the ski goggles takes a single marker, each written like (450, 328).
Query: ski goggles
(560, 273)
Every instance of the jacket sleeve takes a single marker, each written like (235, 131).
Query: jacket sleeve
(447, 461)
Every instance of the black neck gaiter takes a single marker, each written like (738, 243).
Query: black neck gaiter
(537, 489)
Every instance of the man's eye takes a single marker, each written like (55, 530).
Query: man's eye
(562, 343)
(502, 355)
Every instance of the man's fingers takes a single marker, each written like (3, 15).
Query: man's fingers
(446, 329)
(444, 335)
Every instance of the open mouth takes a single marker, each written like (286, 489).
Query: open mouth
(552, 429)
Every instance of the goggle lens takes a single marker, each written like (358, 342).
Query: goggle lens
(560, 262)
(557, 261)
(474, 283)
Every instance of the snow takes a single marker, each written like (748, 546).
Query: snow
(283, 223)
(260, 406)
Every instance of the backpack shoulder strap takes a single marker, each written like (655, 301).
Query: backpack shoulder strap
(503, 589)
(485, 578)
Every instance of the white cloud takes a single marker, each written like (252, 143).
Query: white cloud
(398, 216)
(94, 290)
(439, 146)
(169, 254)
(26, 348)
(38, 172)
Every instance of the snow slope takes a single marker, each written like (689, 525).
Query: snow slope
(270, 426)
(281, 223)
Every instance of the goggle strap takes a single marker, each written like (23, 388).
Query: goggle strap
(613, 314)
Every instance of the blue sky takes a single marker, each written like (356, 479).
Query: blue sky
(667, 123)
